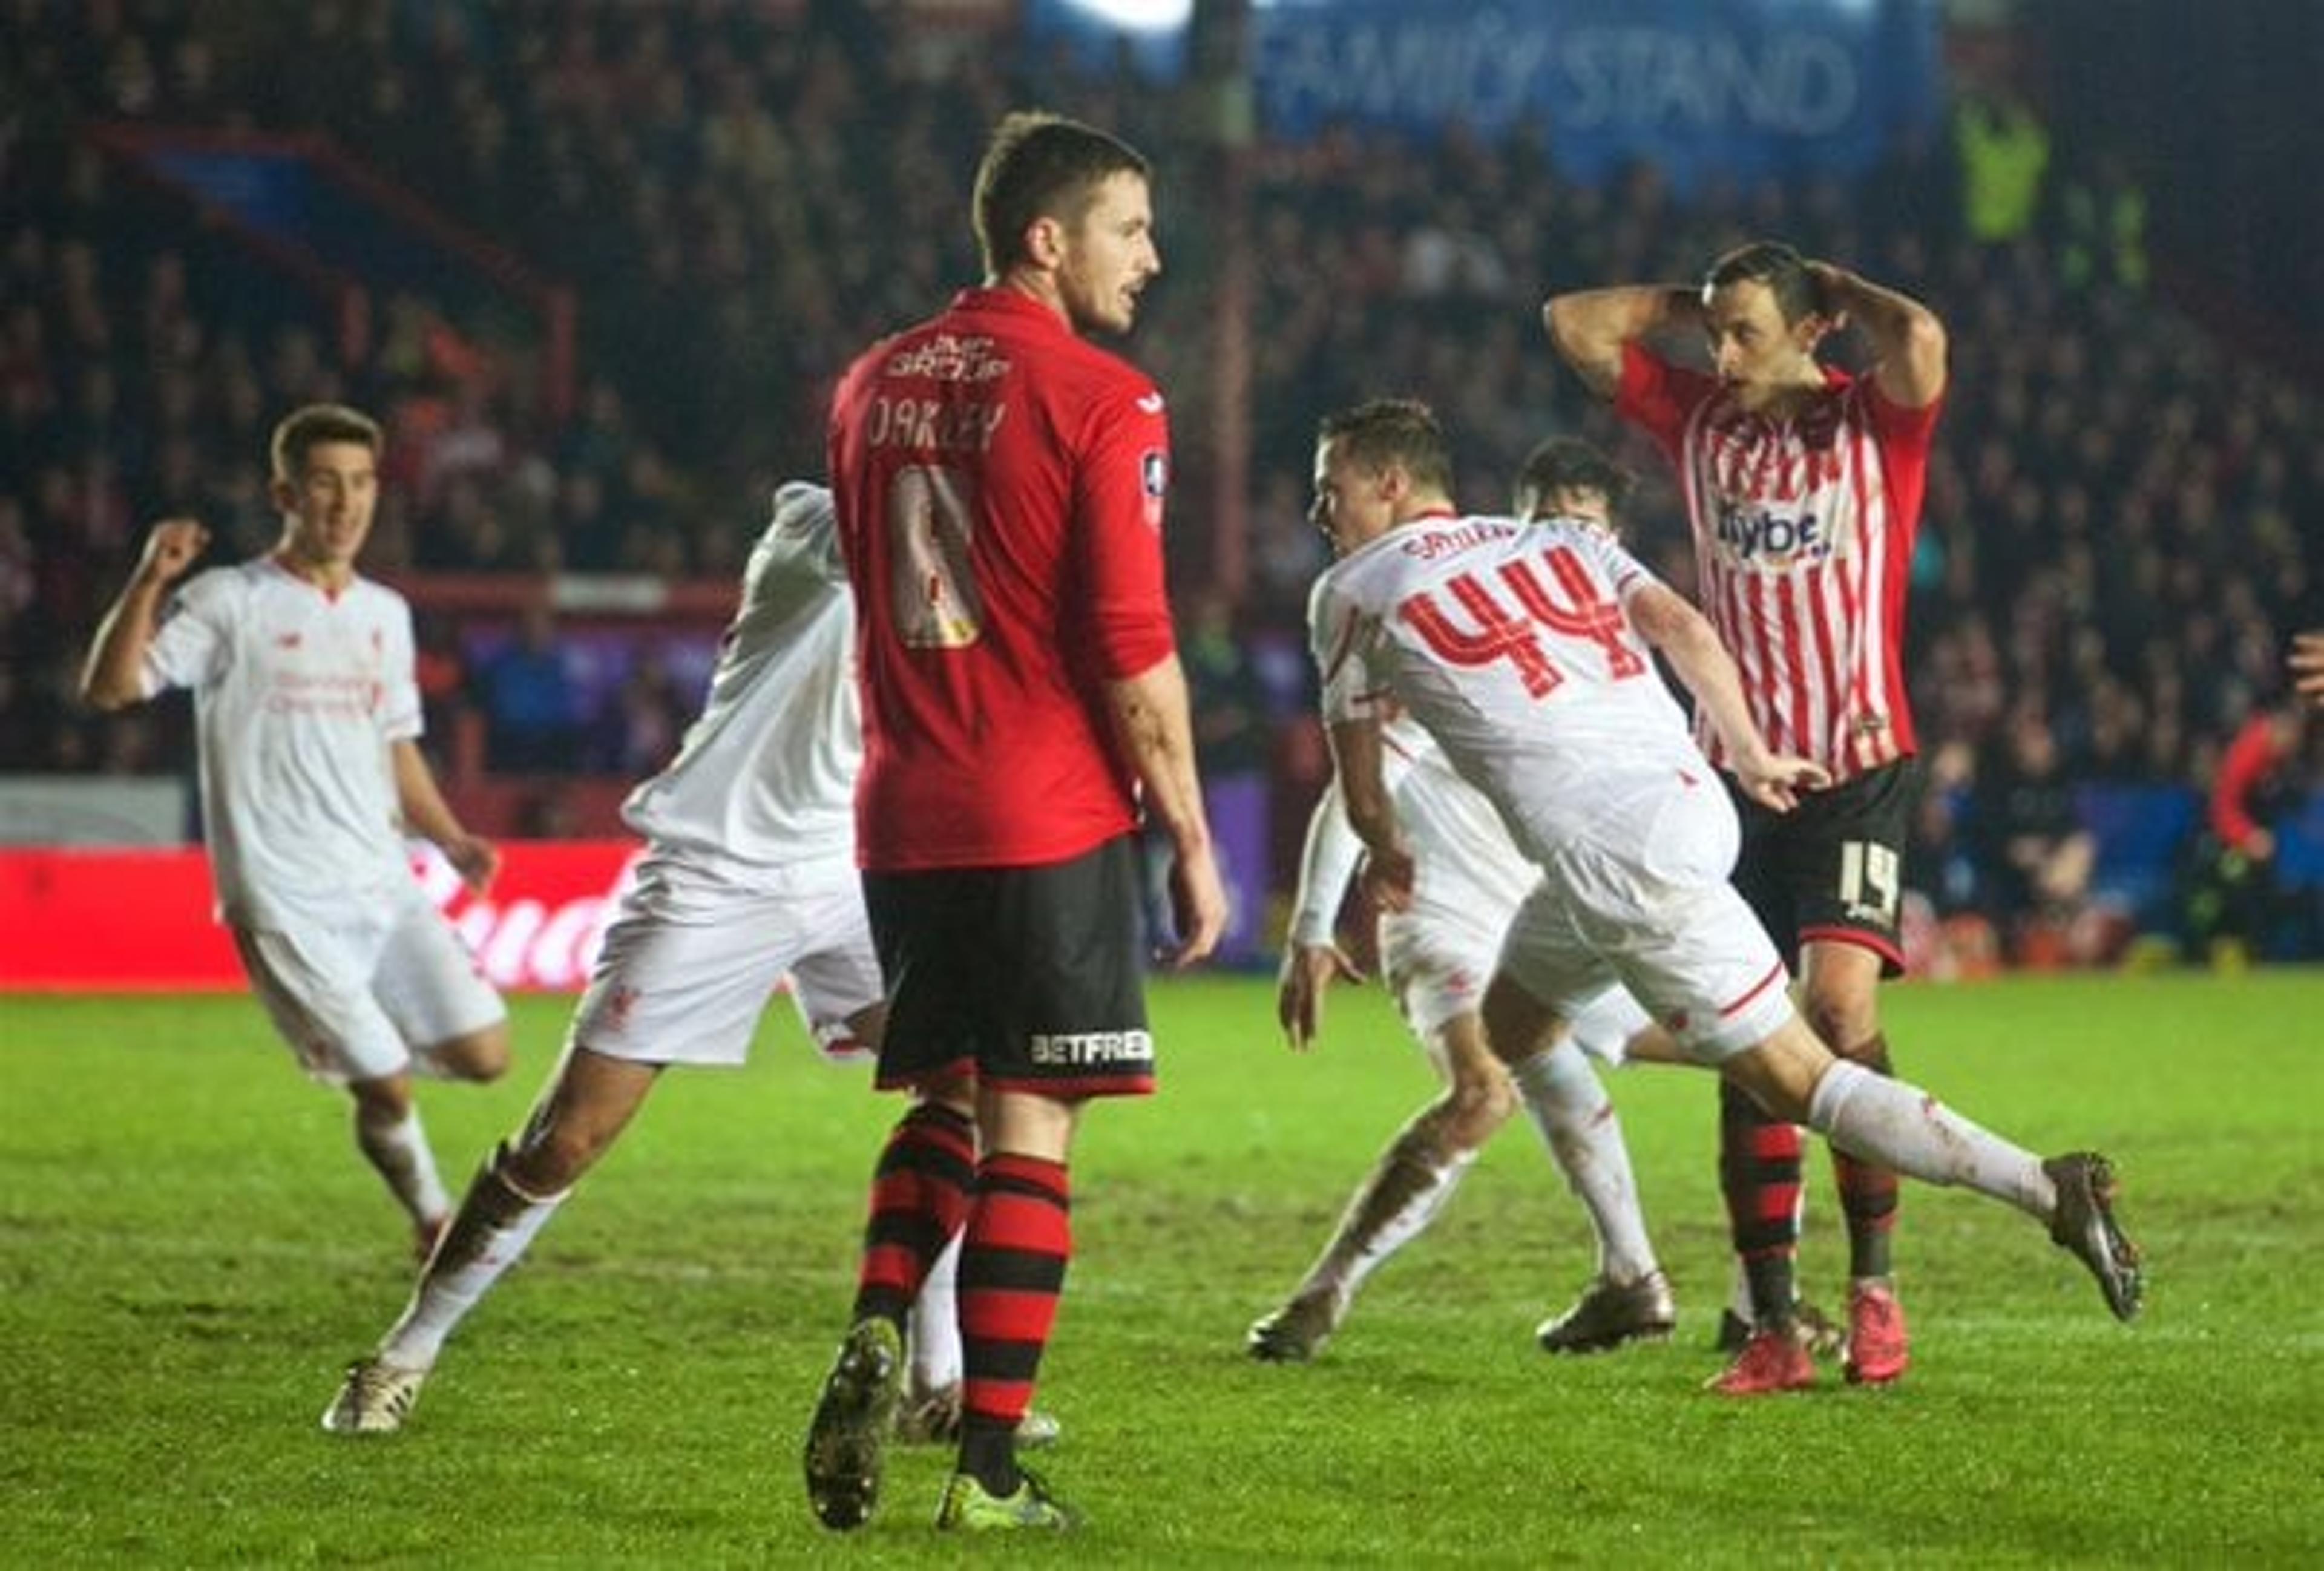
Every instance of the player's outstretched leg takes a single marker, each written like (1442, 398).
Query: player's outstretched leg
(1903, 1126)
(496, 1222)
(2082, 1221)
(1395, 1203)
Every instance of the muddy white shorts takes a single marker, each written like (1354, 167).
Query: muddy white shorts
(693, 954)
(360, 998)
(1655, 912)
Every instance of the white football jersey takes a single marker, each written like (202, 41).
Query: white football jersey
(297, 695)
(1508, 643)
(766, 774)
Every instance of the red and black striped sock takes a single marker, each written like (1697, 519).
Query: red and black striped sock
(1868, 1192)
(1012, 1269)
(919, 1195)
(1759, 1173)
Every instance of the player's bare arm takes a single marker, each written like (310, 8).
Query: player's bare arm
(1153, 724)
(426, 812)
(1908, 341)
(1686, 638)
(1356, 768)
(110, 678)
(1589, 327)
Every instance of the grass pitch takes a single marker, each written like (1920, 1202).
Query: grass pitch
(189, 1251)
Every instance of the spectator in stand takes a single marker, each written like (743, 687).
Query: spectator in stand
(441, 667)
(2238, 900)
(532, 699)
(2037, 855)
(2306, 663)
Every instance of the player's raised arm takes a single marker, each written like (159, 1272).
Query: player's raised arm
(1589, 327)
(111, 679)
(1908, 341)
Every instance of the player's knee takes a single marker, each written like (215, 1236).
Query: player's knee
(1475, 1107)
(383, 1101)
(481, 1056)
(1843, 1022)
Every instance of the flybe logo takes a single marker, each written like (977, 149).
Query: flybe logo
(1773, 540)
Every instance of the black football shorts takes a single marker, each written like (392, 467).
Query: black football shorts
(1832, 868)
(1033, 977)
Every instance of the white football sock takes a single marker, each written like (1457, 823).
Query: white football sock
(936, 1323)
(1576, 1118)
(401, 1154)
(1367, 1240)
(461, 1272)
(1892, 1122)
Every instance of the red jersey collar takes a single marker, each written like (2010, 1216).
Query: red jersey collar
(1000, 299)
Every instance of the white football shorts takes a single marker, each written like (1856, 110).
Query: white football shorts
(1438, 955)
(1655, 912)
(692, 957)
(359, 999)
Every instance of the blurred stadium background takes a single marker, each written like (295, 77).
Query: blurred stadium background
(597, 262)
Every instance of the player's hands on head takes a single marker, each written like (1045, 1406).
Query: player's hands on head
(1832, 297)
(173, 546)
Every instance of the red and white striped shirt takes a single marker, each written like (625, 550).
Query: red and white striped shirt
(1803, 529)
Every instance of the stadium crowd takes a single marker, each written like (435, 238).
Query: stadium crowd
(2119, 529)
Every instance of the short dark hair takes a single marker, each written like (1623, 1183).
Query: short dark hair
(1781, 268)
(1040, 165)
(1557, 463)
(1393, 430)
(310, 426)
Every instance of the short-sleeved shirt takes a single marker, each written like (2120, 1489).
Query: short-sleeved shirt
(766, 776)
(1509, 643)
(1803, 532)
(298, 694)
(1000, 487)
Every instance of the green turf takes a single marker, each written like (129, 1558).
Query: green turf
(189, 1251)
